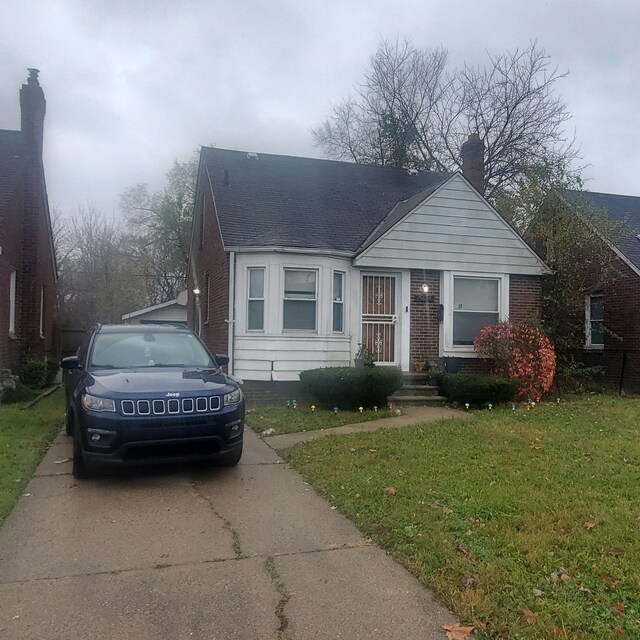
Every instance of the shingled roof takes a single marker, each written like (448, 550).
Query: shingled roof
(11, 165)
(620, 209)
(266, 200)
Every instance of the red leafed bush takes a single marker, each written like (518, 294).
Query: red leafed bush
(520, 351)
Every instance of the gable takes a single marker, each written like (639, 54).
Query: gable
(453, 229)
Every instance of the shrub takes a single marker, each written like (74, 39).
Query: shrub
(477, 389)
(21, 393)
(38, 373)
(349, 388)
(522, 351)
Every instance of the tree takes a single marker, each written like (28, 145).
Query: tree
(160, 225)
(410, 112)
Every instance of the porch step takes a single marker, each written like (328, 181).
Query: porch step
(419, 390)
(415, 400)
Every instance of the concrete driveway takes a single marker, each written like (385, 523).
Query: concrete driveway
(205, 554)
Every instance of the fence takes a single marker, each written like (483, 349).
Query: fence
(69, 340)
(620, 367)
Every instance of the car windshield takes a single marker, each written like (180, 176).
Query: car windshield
(135, 349)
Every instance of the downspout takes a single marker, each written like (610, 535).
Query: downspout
(232, 308)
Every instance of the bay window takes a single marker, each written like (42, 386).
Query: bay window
(300, 295)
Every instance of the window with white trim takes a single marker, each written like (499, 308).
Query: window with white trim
(300, 295)
(255, 305)
(42, 311)
(594, 316)
(476, 304)
(12, 301)
(338, 301)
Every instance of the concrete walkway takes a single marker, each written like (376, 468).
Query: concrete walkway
(411, 415)
(207, 554)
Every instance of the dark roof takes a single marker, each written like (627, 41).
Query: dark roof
(288, 201)
(12, 162)
(620, 209)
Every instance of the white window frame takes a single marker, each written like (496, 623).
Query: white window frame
(314, 299)
(250, 299)
(334, 301)
(447, 348)
(13, 277)
(588, 321)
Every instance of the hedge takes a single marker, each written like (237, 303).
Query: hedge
(351, 387)
(477, 389)
(38, 374)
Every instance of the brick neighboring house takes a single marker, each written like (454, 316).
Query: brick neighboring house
(617, 305)
(294, 261)
(27, 261)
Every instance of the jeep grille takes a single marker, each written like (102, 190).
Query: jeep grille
(173, 406)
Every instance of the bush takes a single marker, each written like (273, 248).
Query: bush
(38, 373)
(21, 393)
(350, 388)
(522, 351)
(477, 389)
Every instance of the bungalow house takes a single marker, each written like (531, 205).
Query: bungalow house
(27, 261)
(612, 313)
(169, 312)
(295, 261)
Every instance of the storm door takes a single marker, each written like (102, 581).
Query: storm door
(379, 319)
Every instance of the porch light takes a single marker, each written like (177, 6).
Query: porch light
(196, 291)
(425, 288)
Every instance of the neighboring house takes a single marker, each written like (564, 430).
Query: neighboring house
(617, 306)
(170, 312)
(27, 261)
(295, 261)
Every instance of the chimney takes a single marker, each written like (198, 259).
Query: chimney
(33, 107)
(473, 161)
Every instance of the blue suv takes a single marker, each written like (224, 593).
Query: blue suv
(140, 394)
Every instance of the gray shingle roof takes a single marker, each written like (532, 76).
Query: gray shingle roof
(11, 164)
(289, 201)
(622, 209)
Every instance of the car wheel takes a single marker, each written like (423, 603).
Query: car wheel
(79, 468)
(230, 459)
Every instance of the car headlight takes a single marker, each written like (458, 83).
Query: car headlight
(233, 398)
(93, 403)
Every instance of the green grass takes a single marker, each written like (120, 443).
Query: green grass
(24, 436)
(489, 509)
(288, 420)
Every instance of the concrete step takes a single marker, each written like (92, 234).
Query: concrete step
(416, 401)
(418, 390)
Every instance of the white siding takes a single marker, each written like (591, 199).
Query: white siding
(454, 229)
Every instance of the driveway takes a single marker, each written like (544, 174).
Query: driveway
(205, 554)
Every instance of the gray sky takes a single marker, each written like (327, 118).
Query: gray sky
(131, 85)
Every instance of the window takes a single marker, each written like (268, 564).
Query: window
(207, 293)
(476, 304)
(12, 301)
(255, 310)
(299, 300)
(338, 301)
(42, 311)
(594, 308)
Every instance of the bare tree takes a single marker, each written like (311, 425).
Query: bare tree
(410, 112)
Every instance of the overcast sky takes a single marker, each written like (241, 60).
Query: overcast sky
(131, 85)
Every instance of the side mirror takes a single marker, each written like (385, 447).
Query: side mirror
(70, 363)
(222, 359)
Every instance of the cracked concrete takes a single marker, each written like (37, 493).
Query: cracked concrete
(197, 553)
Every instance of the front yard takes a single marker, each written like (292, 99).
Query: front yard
(24, 435)
(526, 524)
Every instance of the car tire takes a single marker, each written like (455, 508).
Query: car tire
(79, 467)
(230, 459)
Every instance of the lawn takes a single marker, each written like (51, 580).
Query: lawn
(24, 436)
(289, 420)
(525, 524)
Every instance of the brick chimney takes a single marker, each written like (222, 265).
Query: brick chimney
(473, 161)
(33, 107)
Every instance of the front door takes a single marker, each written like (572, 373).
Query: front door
(379, 319)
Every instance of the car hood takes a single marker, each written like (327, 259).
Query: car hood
(136, 382)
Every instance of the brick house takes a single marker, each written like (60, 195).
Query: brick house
(27, 261)
(295, 261)
(615, 306)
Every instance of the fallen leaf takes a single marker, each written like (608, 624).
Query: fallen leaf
(389, 491)
(586, 592)
(457, 631)
(555, 578)
(618, 631)
(26, 495)
(447, 511)
(528, 616)
(609, 580)
(589, 525)
(467, 582)
(62, 461)
(618, 608)
(537, 593)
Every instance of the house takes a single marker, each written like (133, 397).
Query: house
(27, 260)
(170, 312)
(294, 261)
(611, 337)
